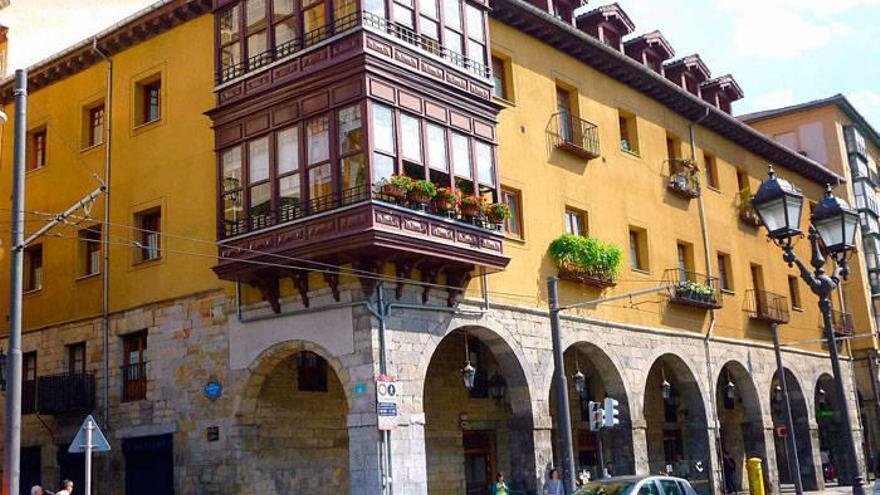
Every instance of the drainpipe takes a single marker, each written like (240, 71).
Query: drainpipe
(712, 316)
(105, 231)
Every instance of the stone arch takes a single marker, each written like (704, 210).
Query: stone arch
(677, 423)
(833, 449)
(801, 434)
(468, 433)
(741, 424)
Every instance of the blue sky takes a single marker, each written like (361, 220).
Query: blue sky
(780, 51)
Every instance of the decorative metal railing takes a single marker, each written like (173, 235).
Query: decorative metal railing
(684, 178)
(768, 306)
(575, 135)
(134, 382)
(346, 23)
(61, 394)
(692, 289)
(841, 323)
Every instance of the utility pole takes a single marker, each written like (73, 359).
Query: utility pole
(12, 460)
(792, 456)
(562, 408)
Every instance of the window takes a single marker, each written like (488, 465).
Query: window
(90, 251)
(149, 224)
(673, 148)
(229, 34)
(29, 382)
(757, 277)
(638, 249)
(259, 187)
(724, 272)
(501, 88)
(76, 359)
(629, 137)
(149, 95)
(311, 372)
(33, 268)
(711, 167)
(134, 367)
(37, 150)
(564, 109)
(513, 225)
(383, 142)
(95, 127)
(575, 222)
(794, 292)
(353, 169)
(685, 258)
(233, 207)
(742, 180)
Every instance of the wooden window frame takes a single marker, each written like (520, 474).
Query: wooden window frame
(710, 166)
(90, 242)
(37, 153)
(33, 272)
(134, 377)
(96, 125)
(516, 217)
(152, 91)
(29, 375)
(794, 293)
(499, 75)
(72, 367)
(725, 276)
(581, 215)
(628, 128)
(147, 228)
(638, 238)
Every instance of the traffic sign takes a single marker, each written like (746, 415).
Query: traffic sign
(99, 442)
(386, 402)
(781, 431)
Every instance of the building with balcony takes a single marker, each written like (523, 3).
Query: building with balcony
(311, 198)
(834, 133)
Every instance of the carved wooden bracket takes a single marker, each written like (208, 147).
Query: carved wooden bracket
(332, 279)
(267, 284)
(457, 278)
(404, 270)
(372, 265)
(429, 277)
(300, 279)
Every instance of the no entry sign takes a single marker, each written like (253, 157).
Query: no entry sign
(386, 402)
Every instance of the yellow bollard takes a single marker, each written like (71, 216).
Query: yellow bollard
(756, 476)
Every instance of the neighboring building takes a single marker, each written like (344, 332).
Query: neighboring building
(832, 132)
(260, 278)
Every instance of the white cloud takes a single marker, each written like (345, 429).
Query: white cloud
(774, 99)
(867, 102)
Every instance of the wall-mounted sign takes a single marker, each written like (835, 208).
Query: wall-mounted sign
(386, 402)
(213, 389)
(360, 388)
(212, 433)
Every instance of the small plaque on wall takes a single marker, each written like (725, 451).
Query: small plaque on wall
(212, 433)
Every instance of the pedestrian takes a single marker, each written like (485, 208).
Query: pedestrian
(36, 490)
(554, 484)
(609, 470)
(66, 488)
(500, 487)
(729, 467)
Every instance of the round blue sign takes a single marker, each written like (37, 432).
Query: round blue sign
(213, 390)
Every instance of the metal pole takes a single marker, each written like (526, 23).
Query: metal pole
(11, 468)
(600, 473)
(387, 482)
(841, 403)
(89, 427)
(789, 421)
(563, 411)
(875, 393)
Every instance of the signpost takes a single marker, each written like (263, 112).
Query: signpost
(386, 402)
(89, 439)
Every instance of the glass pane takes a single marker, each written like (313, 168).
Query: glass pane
(314, 18)
(342, 9)
(255, 14)
(233, 210)
(453, 41)
(485, 163)
(376, 7)
(288, 150)
(383, 128)
(320, 186)
(353, 172)
(437, 148)
(452, 13)
(430, 28)
(318, 139)
(351, 133)
(411, 146)
(428, 8)
(383, 167)
(256, 44)
(285, 31)
(403, 15)
(231, 160)
(476, 52)
(229, 24)
(282, 8)
(261, 200)
(474, 23)
(461, 155)
(230, 55)
(289, 195)
(258, 160)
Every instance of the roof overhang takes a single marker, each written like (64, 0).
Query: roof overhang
(692, 64)
(725, 84)
(654, 41)
(611, 13)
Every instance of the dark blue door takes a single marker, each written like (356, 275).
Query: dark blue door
(149, 465)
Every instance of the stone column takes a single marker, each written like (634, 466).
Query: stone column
(770, 464)
(363, 452)
(640, 448)
(809, 451)
(408, 459)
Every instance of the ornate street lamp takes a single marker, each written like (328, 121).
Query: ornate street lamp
(730, 389)
(497, 387)
(777, 393)
(821, 400)
(468, 373)
(580, 383)
(832, 234)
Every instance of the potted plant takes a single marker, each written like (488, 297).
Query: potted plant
(396, 186)
(472, 206)
(586, 260)
(422, 191)
(445, 199)
(498, 212)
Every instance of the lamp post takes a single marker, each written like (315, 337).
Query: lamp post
(832, 234)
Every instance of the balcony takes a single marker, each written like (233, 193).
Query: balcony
(763, 305)
(684, 178)
(747, 213)
(574, 135)
(63, 394)
(692, 289)
(841, 324)
(366, 227)
(347, 24)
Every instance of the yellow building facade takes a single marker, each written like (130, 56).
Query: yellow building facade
(262, 274)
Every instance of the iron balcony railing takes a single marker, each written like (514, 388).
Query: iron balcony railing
(134, 382)
(574, 135)
(684, 178)
(692, 289)
(295, 210)
(764, 305)
(61, 394)
(842, 324)
(346, 23)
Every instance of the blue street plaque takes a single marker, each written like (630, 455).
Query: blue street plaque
(213, 389)
(360, 388)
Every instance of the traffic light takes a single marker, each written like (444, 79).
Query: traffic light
(597, 416)
(612, 412)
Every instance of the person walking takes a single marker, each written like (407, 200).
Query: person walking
(554, 484)
(500, 487)
(66, 488)
(729, 467)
